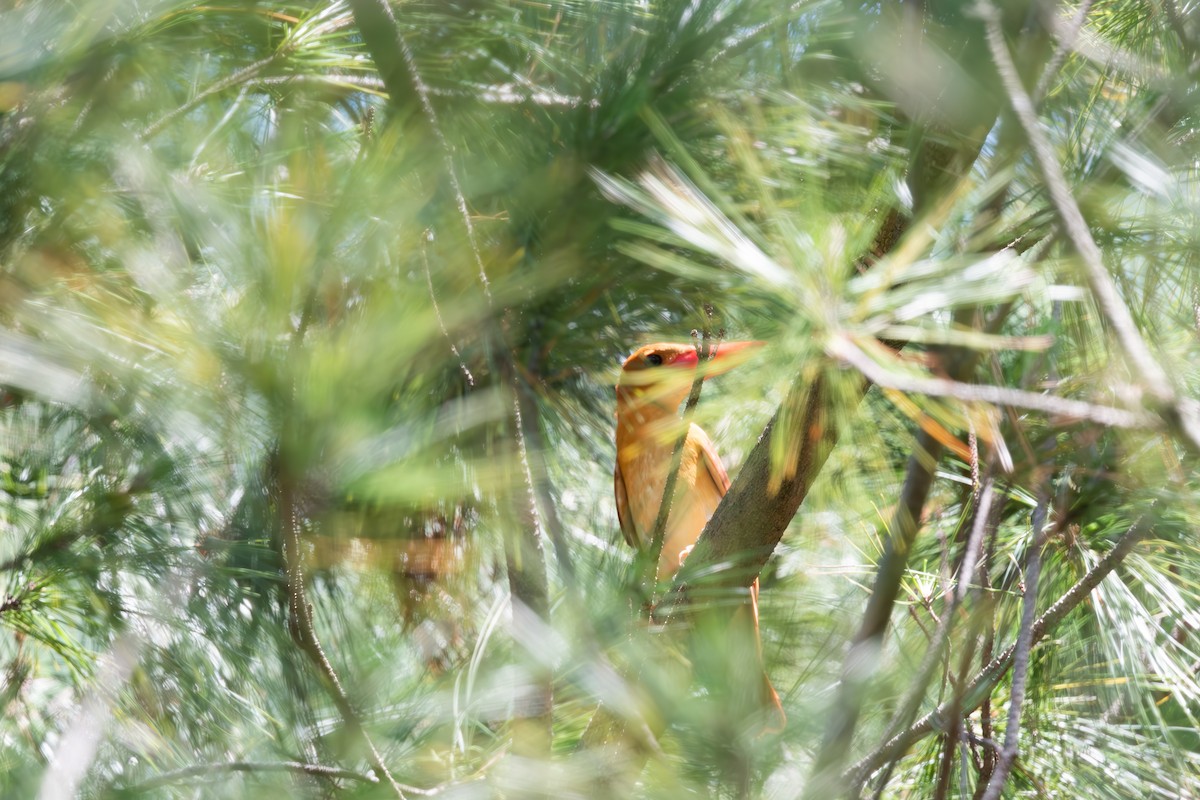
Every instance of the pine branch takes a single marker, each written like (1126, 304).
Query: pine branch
(1182, 415)
(863, 657)
(1065, 42)
(300, 619)
(982, 685)
(524, 554)
(844, 349)
(242, 76)
(763, 499)
(1020, 669)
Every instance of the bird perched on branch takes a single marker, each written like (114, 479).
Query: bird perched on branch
(654, 381)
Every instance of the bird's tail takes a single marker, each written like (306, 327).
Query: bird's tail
(775, 720)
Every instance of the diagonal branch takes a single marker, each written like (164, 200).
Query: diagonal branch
(1066, 41)
(300, 619)
(981, 686)
(1012, 731)
(938, 646)
(1180, 414)
(843, 348)
(863, 656)
(241, 76)
(761, 502)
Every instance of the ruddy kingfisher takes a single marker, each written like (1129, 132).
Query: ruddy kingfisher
(653, 383)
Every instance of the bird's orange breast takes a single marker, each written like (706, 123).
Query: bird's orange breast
(645, 465)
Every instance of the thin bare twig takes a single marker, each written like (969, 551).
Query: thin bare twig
(981, 686)
(956, 723)
(1066, 41)
(243, 75)
(385, 41)
(384, 11)
(437, 311)
(843, 348)
(1180, 414)
(860, 663)
(937, 647)
(535, 452)
(301, 622)
(1020, 669)
(526, 567)
(988, 758)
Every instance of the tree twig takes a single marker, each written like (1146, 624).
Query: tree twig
(243, 75)
(301, 619)
(1066, 41)
(1024, 644)
(524, 556)
(937, 647)
(864, 649)
(398, 67)
(1176, 23)
(1180, 414)
(984, 682)
(752, 517)
(437, 311)
(843, 348)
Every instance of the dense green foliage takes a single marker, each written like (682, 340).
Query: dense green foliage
(309, 325)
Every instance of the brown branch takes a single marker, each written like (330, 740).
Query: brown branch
(752, 517)
(937, 647)
(986, 652)
(981, 686)
(952, 735)
(861, 661)
(300, 618)
(1180, 414)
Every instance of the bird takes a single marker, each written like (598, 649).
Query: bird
(654, 380)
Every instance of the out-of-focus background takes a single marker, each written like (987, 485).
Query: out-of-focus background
(310, 319)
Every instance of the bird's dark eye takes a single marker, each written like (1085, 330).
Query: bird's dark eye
(654, 359)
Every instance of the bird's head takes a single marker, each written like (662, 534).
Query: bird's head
(662, 374)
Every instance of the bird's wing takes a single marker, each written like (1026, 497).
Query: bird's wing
(712, 461)
(624, 516)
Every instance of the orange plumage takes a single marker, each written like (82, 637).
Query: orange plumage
(654, 381)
